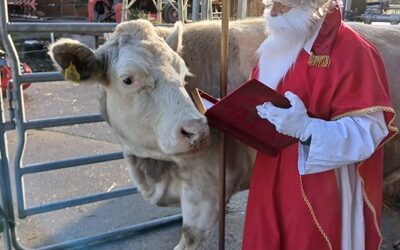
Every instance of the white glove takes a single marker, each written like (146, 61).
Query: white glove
(293, 121)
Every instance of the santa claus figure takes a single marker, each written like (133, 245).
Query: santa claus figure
(324, 192)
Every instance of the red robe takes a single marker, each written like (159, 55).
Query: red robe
(289, 211)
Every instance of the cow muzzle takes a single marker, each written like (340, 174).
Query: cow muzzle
(194, 135)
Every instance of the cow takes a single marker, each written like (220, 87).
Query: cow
(145, 73)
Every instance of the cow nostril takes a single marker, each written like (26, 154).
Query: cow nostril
(194, 133)
(187, 133)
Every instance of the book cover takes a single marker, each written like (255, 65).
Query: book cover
(236, 115)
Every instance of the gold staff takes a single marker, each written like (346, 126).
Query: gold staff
(223, 91)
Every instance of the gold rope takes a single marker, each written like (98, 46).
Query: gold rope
(392, 128)
(370, 110)
(370, 206)
(308, 203)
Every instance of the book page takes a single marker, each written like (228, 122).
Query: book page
(207, 104)
(203, 101)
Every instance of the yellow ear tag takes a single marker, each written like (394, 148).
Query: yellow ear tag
(71, 73)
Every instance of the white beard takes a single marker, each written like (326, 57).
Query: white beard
(287, 36)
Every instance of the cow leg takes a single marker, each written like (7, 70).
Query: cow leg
(200, 215)
(391, 184)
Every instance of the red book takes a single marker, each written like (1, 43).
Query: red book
(236, 115)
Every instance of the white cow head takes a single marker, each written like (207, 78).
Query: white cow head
(143, 78)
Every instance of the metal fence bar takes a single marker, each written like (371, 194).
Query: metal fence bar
(62, 121)
(7, 214)
(8, 126)
(368, 18)
(79, 201)
(61, 27)
(16, 94)
(5, 184)
(114, 234)
(41, 77)
(49, 166)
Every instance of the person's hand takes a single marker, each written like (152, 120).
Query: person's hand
(293, 121)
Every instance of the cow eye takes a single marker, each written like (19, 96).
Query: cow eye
(127, 81)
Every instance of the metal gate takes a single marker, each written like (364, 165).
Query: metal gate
(18, 122)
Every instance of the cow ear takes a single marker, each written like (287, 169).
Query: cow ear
(174, 40)
(75, 60)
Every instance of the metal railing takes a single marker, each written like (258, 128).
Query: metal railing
(368, 18)
(19, 123)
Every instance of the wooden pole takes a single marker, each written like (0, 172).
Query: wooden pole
(223, 92)
(159, 11)
(124, 13)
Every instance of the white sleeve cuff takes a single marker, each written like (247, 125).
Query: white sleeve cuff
(342, 142)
